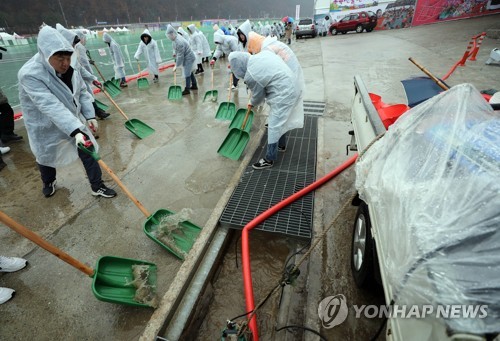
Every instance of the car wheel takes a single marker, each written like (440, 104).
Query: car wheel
(362, 248)
(333, 31)
(359, 28)
(369, 29)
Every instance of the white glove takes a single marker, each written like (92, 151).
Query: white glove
(80, 138)
(175, 68)
(93, 125)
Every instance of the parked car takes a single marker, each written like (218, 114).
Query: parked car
(355, 22)
(305, 27)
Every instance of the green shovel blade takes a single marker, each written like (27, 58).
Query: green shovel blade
(175, 92)
(238, 119)
(112, 89)
(183, 238)
(212, 94)
(113, 277)
(139, 128)
(101, 105)
(226, 111)
(234, 144)
(142, 83)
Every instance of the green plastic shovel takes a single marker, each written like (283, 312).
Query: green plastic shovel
(240, 117)
(142, 82)
(178, 241)
(101, 105)
(212, 94)
(110, 86)
(227, 110)
(236, 141)
(175, 91)
(135, 126)
(115, 279)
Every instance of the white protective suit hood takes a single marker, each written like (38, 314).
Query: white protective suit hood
(218, 38)
(192, 29)
(239, 63)
(171, 33)
(50, 42)
(146, 34)
(244, 29)
(106, 37)
(69, 35)
(81, 36)
(182, 32)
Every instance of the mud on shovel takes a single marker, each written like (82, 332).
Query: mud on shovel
(178, 241)
(235, 142)
(175, 91)
(142, 82)
(212, 93)
(113, 89)
(115, 279)
(227, 110)
(135, 126)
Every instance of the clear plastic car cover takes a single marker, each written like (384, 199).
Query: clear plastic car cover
(432, 184)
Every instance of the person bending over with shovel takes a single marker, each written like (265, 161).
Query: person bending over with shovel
(270, 79)
(225, 45)
(184, 57)
(55, 104)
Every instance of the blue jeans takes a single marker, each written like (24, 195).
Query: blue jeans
(190, 80)
(272, 148)
(235, 80)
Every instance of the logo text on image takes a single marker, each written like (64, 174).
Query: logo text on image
(333, 311)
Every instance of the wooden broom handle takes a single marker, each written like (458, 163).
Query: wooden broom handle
(125, 189)
(427, 72)
(114, 103)
(35, 238)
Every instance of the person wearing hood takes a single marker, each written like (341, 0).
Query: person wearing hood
(243, 32)
(117, 57)
(80, 62)
(225, 45)
(56, 105)
(185, 58)
(150, 47)
(270, 79)
(183, 34)
(196, 43)
(207, 52)
(288, 33)
(258, 43)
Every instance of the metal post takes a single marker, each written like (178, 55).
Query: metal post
(62, 11)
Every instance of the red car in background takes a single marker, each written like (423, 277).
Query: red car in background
(358, 22)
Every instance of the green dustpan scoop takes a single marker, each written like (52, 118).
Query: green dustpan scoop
(226, 111)
(212, 94)
(113, 281)
(112, 89)
(234, 144)
(139, 128)
(101, 105)
(239, 118)
(175, 92)
(183, 237)
(142, 83)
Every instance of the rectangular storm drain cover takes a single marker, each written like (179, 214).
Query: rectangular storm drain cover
(314, 108)
(259, 190)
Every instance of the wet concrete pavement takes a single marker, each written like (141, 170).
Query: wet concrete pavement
(178, 167)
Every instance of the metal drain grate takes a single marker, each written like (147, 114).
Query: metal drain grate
(260, 189)
(314, 108)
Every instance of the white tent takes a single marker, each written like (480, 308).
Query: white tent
(12, 39)
(124, 29)
(112, 29)
(118, 29)
(105, 29)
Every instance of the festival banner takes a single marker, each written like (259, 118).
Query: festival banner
(431, 11)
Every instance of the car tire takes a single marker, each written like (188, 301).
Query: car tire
(362, 249)
(333, 31)
(359, 29)
(369, 29)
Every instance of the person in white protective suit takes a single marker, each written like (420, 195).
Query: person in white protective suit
(270, 79)
(207, 52)
(88, 76)
(56, 105)
(185, 58)
(117, 57)
(149, 47)
(183, 34)
(225, 45)
(243, 32)
(258, 43)
(196, 42)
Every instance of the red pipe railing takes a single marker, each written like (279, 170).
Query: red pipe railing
(245, 245)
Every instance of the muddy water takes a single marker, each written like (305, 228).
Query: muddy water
(268, 255)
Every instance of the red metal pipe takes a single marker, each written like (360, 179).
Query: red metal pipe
(245, 245)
